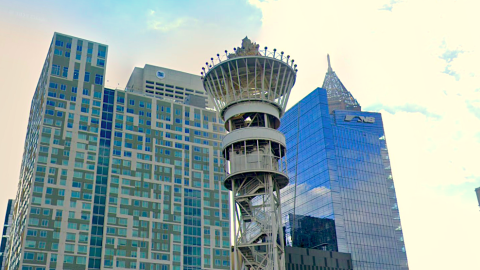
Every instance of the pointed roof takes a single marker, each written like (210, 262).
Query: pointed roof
(338, 96)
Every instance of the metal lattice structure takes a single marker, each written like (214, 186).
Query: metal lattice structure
(250, 89)
(338, 95)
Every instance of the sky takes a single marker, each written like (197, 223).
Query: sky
(414, 61)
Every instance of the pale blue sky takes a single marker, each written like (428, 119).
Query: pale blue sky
(414, 61)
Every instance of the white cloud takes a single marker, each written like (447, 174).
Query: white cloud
(420, 63)
(164, 23)
(389, 6)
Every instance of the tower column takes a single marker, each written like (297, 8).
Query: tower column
(250, 89)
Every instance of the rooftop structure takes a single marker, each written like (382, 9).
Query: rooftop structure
(250, 89)
(304, 258)
(339, 98)
(161, 82)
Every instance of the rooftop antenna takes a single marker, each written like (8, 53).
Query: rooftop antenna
(329, 66)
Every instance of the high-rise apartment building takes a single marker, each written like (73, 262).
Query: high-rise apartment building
(5, 233)
(119, 179)
(341, 195)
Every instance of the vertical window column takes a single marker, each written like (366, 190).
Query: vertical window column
(192, 230)
(98, 218)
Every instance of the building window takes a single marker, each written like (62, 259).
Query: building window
(65, 72)
(87, 77)
(101, 51)
(100, 62)
(56, 70)
(98, 79)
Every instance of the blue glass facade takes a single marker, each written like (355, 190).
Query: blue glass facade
(340, 177)
(313, 188)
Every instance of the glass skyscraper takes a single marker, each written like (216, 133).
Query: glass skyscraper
(124, 179)
(341, 195)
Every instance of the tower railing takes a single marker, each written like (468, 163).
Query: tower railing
(265, 52)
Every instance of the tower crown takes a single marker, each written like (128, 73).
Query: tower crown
(249, 74)
(339, 98)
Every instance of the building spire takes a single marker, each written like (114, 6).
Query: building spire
(329, 66)
(339, 98)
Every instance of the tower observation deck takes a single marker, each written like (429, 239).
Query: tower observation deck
(250, 88)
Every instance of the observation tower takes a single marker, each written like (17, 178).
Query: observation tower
(250, 89)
